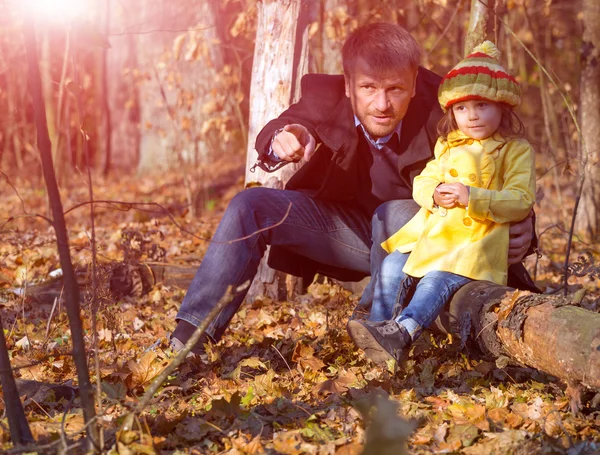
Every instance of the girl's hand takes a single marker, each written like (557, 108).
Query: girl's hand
(446, 200)
(457, 192)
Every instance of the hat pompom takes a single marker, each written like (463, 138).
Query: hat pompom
(488, 48)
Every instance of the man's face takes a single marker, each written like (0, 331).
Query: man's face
(380, 100)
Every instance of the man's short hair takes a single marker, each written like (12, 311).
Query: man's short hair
(383, 46)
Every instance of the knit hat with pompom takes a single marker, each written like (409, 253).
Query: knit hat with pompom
(479, 77)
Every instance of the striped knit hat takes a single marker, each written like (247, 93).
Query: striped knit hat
(479, 76)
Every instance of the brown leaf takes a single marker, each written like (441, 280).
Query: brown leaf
(507, 304)
(143, 370)
(340, 384)
(354, 448)
(244, 446)
(514, 420)
(553, 424)
(288, 442)
(498, 415)
(303, 355)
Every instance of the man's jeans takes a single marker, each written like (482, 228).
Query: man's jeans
(413, 302)
(327, 232)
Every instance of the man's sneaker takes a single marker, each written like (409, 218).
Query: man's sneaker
(381, 341)
(177, 345)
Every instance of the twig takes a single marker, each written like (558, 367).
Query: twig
(94, 296)
(181, 355)
(164, 211)
(15, 190)
(450, 22)
(56, 299)
(63, 433)
(583, 147)
(283, 358)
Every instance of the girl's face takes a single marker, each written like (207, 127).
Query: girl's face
(478, 119)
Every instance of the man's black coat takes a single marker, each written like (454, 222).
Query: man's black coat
(332, 173)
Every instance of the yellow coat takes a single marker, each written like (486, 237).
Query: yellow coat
(471, 241)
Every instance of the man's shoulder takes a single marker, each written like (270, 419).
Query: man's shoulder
(329, 86)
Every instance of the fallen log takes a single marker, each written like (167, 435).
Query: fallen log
(545, 332)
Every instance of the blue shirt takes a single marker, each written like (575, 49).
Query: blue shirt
(378, 143)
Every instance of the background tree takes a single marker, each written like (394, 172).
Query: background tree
(588, 217)
(62, 240)
(280, 61)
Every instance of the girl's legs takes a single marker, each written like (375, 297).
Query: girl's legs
(432, 293)
(390, 339)
(389, 286)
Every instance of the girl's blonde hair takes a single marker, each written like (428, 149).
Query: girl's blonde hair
(510, 127)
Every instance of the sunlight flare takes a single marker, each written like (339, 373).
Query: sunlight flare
(55, 10)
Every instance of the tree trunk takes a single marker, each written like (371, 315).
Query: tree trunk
(338, 20)
(588, 216)
(105, 112)
(280, 60)
(62, 240)
(477, 30)
(122, 92)
(17, 422)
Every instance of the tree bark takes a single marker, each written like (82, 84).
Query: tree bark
(548, 333)
(20, 432)
(105, 107)
(588, 217)
(280, 61)
(477, 30)
(122, 92)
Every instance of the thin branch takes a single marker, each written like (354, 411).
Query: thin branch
(181, 355)
(15, 190)
(167, 30)
(450, 22)
(94, 296)
(164, 211)
(583, 147)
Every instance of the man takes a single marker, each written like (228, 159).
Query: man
(365, 136)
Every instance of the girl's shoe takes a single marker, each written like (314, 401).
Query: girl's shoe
(381, 341)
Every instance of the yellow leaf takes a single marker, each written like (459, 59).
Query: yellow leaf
(178, 45)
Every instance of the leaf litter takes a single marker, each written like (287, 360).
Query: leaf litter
(285, 378)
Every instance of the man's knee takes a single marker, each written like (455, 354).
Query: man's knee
(248, 200)
(391, 216)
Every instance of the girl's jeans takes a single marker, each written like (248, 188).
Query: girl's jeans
(413, 302)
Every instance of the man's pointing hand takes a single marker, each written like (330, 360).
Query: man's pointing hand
(294, 143)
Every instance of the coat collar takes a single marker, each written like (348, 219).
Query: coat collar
(489, 145)
(338, 131)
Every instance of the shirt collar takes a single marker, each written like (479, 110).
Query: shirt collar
(378, 143)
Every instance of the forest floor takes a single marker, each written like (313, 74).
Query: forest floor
(285, 378)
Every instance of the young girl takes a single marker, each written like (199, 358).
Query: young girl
(481, 179)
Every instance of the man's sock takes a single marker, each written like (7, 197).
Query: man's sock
(183, 333)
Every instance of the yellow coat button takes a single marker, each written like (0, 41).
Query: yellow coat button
(467, 221)
(453, 172)
(472, 177)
